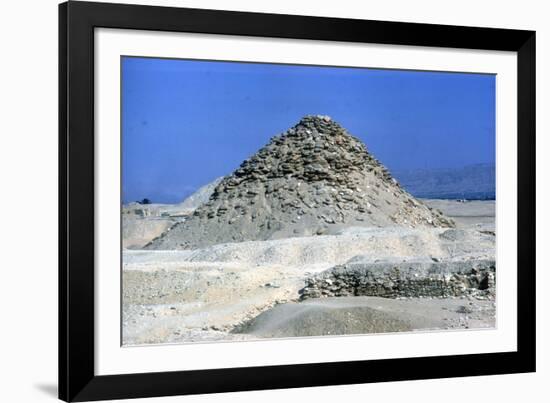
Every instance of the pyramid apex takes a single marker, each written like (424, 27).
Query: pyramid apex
(313, 118)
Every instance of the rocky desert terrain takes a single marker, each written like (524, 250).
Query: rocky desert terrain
(310, 236)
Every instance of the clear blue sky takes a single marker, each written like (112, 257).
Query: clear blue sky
(187, 122)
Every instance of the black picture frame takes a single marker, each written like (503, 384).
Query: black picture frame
(77, 379)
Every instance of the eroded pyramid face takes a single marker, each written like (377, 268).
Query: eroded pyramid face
(314, 179)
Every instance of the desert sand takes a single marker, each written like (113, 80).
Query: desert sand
(302, 239)
(247, 290)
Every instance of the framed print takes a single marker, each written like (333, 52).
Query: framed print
(258, 201)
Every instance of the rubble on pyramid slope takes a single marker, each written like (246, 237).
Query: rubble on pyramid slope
(314, 179)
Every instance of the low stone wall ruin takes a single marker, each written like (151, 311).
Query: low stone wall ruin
(407, 279)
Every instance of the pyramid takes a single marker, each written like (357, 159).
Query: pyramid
(314, 179)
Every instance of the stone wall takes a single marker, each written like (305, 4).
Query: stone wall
(407, 279)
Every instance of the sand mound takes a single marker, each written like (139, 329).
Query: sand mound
(318, 318)
(392, 244)
(362, 315)
(314, 179)
(200, 196)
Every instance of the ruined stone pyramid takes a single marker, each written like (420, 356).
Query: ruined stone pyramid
(314, 179)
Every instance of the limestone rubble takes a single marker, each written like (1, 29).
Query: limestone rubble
(313, 179)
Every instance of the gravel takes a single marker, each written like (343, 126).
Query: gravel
(364, 315)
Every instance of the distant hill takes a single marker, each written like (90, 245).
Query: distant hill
(473, 182)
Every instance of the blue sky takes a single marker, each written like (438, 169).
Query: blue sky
(186, 122)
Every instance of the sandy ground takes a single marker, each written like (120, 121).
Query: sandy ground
(362, 315)
(467, 214)
(219, 292)
(138, 231)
